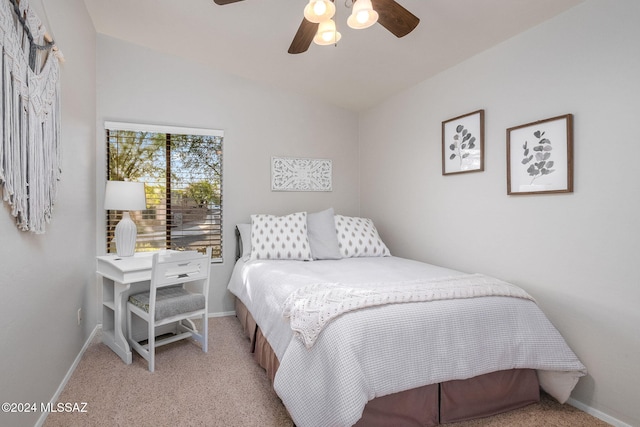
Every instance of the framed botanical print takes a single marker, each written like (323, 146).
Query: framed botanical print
(540, 156)
(463, 143)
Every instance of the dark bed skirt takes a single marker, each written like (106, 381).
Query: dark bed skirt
(430, 405)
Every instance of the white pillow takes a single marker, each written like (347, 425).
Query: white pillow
(280, 237)
(358, 237)
(323, 240)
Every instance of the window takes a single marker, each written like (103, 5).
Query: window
(182, 172)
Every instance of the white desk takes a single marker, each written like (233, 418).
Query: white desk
(121, 276)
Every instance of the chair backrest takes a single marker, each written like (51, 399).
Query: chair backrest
(173, 268)
(179, 267)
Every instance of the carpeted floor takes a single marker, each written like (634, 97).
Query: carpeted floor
(223, 387)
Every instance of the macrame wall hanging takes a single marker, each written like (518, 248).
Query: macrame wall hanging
(29, 116)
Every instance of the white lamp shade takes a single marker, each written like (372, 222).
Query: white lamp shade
(125, 196)
(362, 15)
(319, 10)
(327, 33)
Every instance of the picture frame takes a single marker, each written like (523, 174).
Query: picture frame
(540, 157)
(301, 174)
(463, 143)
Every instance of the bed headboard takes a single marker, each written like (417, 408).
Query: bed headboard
(238, 244)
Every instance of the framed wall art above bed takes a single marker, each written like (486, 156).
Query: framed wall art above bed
(540, 156)
(463, 143)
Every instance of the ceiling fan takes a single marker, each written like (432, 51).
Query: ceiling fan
(390, 14)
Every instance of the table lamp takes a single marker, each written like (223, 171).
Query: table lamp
(125, 196)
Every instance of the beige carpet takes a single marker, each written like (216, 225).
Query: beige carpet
(192, 388)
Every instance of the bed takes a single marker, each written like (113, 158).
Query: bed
(355, 336)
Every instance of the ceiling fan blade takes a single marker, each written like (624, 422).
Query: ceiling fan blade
(223, 2)
(304, 36)
(395, 18)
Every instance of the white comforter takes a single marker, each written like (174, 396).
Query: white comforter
(386, 349)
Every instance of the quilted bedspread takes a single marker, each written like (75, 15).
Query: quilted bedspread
(310, 308)
(384, 349)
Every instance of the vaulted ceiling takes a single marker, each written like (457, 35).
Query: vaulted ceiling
(250, 39)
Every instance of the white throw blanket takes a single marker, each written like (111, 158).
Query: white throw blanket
(310, 308)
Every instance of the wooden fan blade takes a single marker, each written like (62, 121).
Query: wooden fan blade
(223, 2)
(395, 18)
(304, 36)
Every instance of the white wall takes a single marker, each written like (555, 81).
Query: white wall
(44, 279)
(136, 84)
(577, 254)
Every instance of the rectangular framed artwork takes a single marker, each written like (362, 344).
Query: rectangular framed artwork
(540, 156)
(463, 144)
(299, 174)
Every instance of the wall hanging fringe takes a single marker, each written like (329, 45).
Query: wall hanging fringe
(29, 116)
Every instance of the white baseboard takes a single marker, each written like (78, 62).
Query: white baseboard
(598, 414)
(70, 372)
(222, 314)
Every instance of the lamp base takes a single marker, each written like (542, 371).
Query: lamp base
(126, 236)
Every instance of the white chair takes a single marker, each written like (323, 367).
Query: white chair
(178, 292)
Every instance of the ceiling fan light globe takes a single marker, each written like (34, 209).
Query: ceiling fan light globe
(319, 11)
(327, 33)
(362, 15)
(319, 8)
(333, 39)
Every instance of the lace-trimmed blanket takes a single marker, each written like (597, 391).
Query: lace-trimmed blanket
(310, 308)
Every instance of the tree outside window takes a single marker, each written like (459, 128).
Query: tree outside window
(182, 173)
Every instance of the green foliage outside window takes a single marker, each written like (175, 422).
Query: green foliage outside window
(182, 176)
